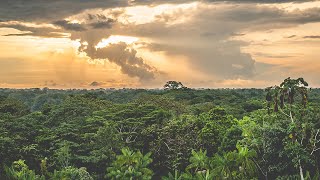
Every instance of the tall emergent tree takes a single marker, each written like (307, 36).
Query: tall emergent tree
(173, 85)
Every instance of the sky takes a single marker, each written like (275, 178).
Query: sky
(144, 43)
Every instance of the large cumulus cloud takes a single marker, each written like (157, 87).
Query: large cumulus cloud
(206, 38)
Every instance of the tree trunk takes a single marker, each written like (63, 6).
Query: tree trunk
(301, 171)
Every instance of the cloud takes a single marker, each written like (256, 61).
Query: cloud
(48, 11)
(312, 37)
(28, 30)
(278, 56)
(67, 25)
(204, 38)
(228, 62)
(248, 17)
(95, 83)
(125, 57)
(267, 17)
(292, 36)
(102, 24)
(202, 34)
(156, 2)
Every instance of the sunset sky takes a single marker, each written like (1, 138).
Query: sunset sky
(144, 43)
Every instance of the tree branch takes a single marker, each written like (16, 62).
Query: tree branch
(315, 143)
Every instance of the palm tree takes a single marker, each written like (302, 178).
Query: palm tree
(287, 91)
(199, 161)
(290, 87)
(130, 165)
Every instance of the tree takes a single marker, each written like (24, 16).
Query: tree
(71, 173)
(245, 161)
(230, 138)
(170, 85)
(215, 125)
(20, 171)
(14, 107)
(175, 176)
(198, 161)
(287, 91)
(130, 165)
(302, 139)
(63, 155)
(225, 165)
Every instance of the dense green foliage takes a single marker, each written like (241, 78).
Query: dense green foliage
(171, 134)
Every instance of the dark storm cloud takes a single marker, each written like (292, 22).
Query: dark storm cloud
(153, 2)
(101, 24)
(53, 10)
(101, 21)
(125, 57)
(269, 15)
(260, 1)
(50, 10)
(67, 25)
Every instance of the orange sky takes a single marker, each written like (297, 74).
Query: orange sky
(146, 43)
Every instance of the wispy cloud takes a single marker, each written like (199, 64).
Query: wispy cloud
(312, 37)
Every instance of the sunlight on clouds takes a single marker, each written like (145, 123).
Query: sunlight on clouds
(5, 31)
(114, 39)
(141, 14)
(32, 61)
(28, 24)
(147, 14)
